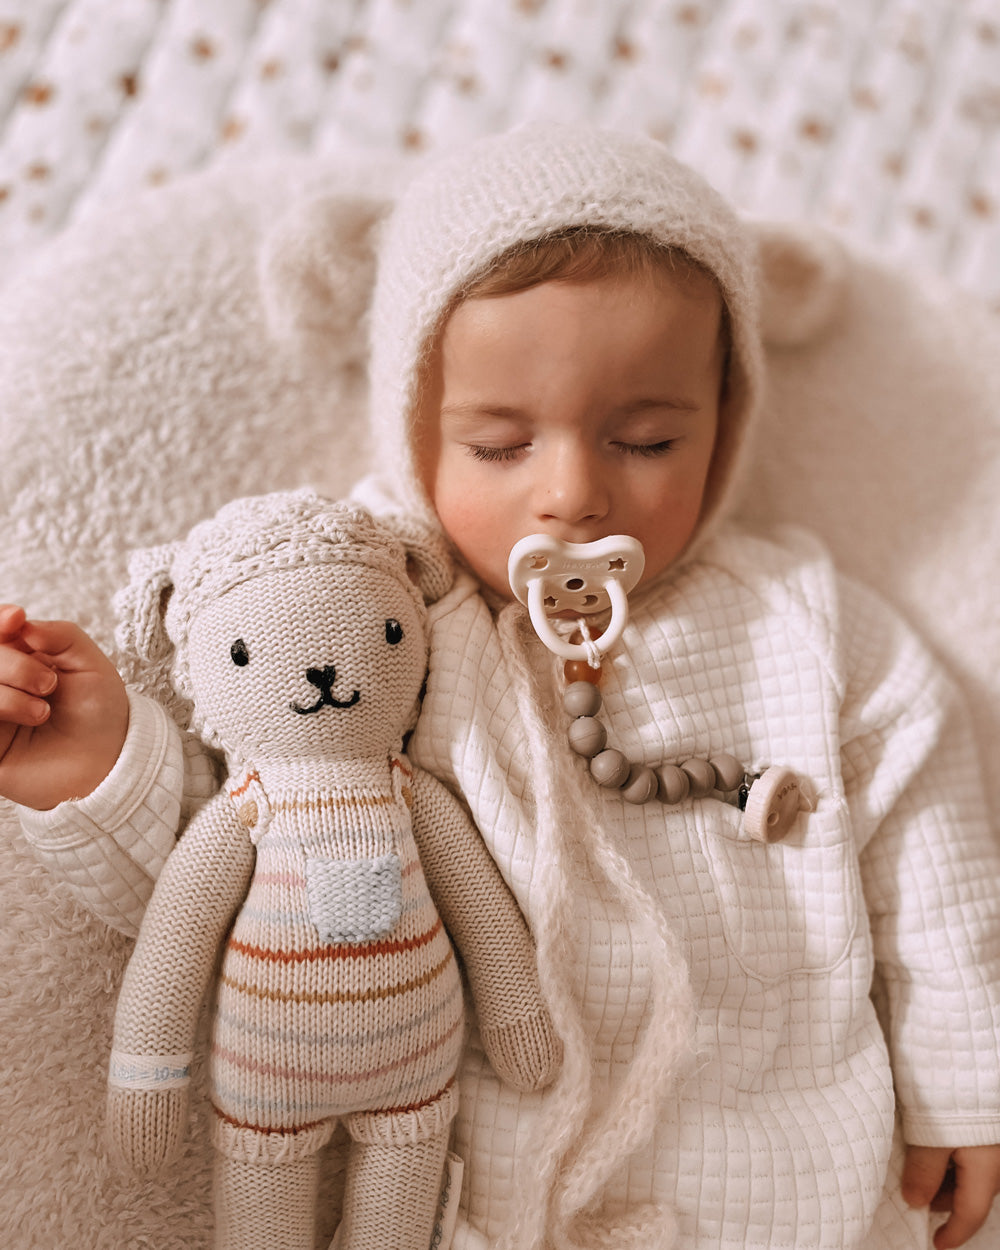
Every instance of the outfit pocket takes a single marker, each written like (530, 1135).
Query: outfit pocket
(789, 907)
(354, 900)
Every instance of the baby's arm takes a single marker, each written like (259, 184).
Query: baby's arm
(104, 776)
(489, 930)
(930, 863)
(963, 1181)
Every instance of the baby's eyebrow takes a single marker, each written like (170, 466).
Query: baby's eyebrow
(678, 403)
(472, 409)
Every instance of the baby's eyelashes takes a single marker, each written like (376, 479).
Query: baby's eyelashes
(495, 455)
(648, 449)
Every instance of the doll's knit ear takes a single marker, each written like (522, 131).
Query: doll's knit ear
(316, 269)
(428, 560)
(804, 275)
(140, 605)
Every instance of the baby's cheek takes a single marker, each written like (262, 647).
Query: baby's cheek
(477, 524)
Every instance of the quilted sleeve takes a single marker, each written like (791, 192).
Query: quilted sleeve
(930, 863)
(109, 846)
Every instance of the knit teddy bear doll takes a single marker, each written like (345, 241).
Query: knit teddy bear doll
(325, 871)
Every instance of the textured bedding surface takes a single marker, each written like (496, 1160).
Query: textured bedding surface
(878, 117)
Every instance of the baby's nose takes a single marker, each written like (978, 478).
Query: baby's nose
(576, 490)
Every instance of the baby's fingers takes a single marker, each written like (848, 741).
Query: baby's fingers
(976, 1180)
(11, 621)
(18, 708)
(25, 673)
(923, 1173)
(62, 641)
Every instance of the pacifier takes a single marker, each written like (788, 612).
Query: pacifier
(550, 576)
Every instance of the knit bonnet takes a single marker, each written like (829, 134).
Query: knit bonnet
(462, 211)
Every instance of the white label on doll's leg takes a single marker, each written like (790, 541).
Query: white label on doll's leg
(447, 1214)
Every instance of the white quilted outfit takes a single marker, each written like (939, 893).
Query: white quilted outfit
(779, 1135)
(773, 1120)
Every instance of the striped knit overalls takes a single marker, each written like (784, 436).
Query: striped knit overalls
(339, 994)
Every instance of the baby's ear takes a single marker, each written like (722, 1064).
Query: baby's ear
(804, 272)
(316, 269)
(141, 605)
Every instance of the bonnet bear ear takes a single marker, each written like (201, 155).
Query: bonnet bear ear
(316, 269)
(140, 606)
(804, 275)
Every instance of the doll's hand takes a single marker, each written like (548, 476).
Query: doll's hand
(63, 711)
(525, 1053)
(147, 1126)
(963, 1180)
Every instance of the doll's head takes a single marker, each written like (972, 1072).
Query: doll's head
(575, 308)
(295, 626)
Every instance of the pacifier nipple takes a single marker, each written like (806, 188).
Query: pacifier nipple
(551, 577)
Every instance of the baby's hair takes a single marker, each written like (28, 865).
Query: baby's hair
(578, 254)
(588, 254)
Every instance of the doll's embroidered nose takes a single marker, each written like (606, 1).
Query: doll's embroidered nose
(323, 679)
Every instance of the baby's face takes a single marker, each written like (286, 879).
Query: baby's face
(576, 410)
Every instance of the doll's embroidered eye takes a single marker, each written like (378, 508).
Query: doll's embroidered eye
(240, 654)
(393, 632)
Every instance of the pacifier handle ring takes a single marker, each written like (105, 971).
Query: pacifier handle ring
(577, 651)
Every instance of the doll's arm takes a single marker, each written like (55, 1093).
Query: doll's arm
(110, 845)
(490, 932)
(196, 896)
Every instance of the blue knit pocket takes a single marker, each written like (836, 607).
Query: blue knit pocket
(354, 900)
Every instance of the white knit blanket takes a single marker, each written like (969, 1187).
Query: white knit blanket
(880, 119)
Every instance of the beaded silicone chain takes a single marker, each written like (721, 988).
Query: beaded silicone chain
(769, 800)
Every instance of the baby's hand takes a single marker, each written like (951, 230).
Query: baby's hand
(63, 711)
(963, 1180)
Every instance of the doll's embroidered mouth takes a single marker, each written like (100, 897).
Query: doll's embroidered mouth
(325, 700)
(323, 679)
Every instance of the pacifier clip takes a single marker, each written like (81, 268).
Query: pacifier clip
(550, 576)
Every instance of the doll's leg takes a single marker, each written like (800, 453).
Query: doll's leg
(394, 1174)
(265, 1206)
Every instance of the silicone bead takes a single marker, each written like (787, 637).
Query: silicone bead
(774, 801)
(587, 736)
(580, 670)
(640, 785)
(701, 774)
(675, 784)
(582, 699)
(729, 772)
(610, 769)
